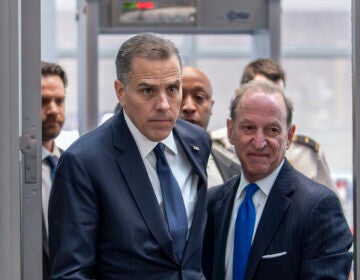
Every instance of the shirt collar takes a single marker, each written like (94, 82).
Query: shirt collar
(45, 152)
(264, 184)
(145, 145)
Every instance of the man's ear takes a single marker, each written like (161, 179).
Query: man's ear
(290, 136)
(230, 130)
(212, 104)
(120, 92)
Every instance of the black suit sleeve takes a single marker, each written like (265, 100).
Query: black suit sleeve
(327, 239)
(73, 221)
(209, 236)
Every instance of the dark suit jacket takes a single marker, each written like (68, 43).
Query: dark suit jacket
(45, 242)
(104, 219)
(45, 254)
(301, 217)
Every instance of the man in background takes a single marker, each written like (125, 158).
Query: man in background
(196, 107)
(53, 84)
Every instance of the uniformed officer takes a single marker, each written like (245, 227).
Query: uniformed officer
(305, 150)
(196, 107)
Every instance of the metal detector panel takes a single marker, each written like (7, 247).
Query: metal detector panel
(183, 16)
(125, 12)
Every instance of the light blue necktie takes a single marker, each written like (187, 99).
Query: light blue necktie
(52, 161)
(173, 202)
(244, 228)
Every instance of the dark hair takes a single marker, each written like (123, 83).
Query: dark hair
(266, 67)
(145, 45)
(54, 69)
(265, 87)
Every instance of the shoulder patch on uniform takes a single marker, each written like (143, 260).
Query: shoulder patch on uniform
(307, 141)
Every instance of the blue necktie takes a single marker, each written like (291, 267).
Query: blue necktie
(173, 202)
(52, 161)
(244, 228)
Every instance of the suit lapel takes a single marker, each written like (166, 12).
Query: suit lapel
(135, 174)
(196, 228)
(274, 210)
(195, 155)
(221, 225)
(45, 239)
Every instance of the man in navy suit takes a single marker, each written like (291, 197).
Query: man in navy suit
(108, 215)
(298, 230)
(53, 84)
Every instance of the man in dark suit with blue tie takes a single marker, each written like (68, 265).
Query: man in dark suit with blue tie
(128, 200)
(53, 84)
(271, 222)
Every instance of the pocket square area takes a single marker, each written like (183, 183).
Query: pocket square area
(276, 255)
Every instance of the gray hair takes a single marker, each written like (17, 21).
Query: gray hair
(145, 45)
(266, 87)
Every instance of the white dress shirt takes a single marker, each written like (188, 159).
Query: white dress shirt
(46, 181)
(259, 199)
(179, 164)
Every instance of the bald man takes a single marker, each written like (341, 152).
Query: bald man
(197, 99)
(196, 107)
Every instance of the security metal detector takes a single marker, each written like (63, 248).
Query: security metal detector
(260, 18)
